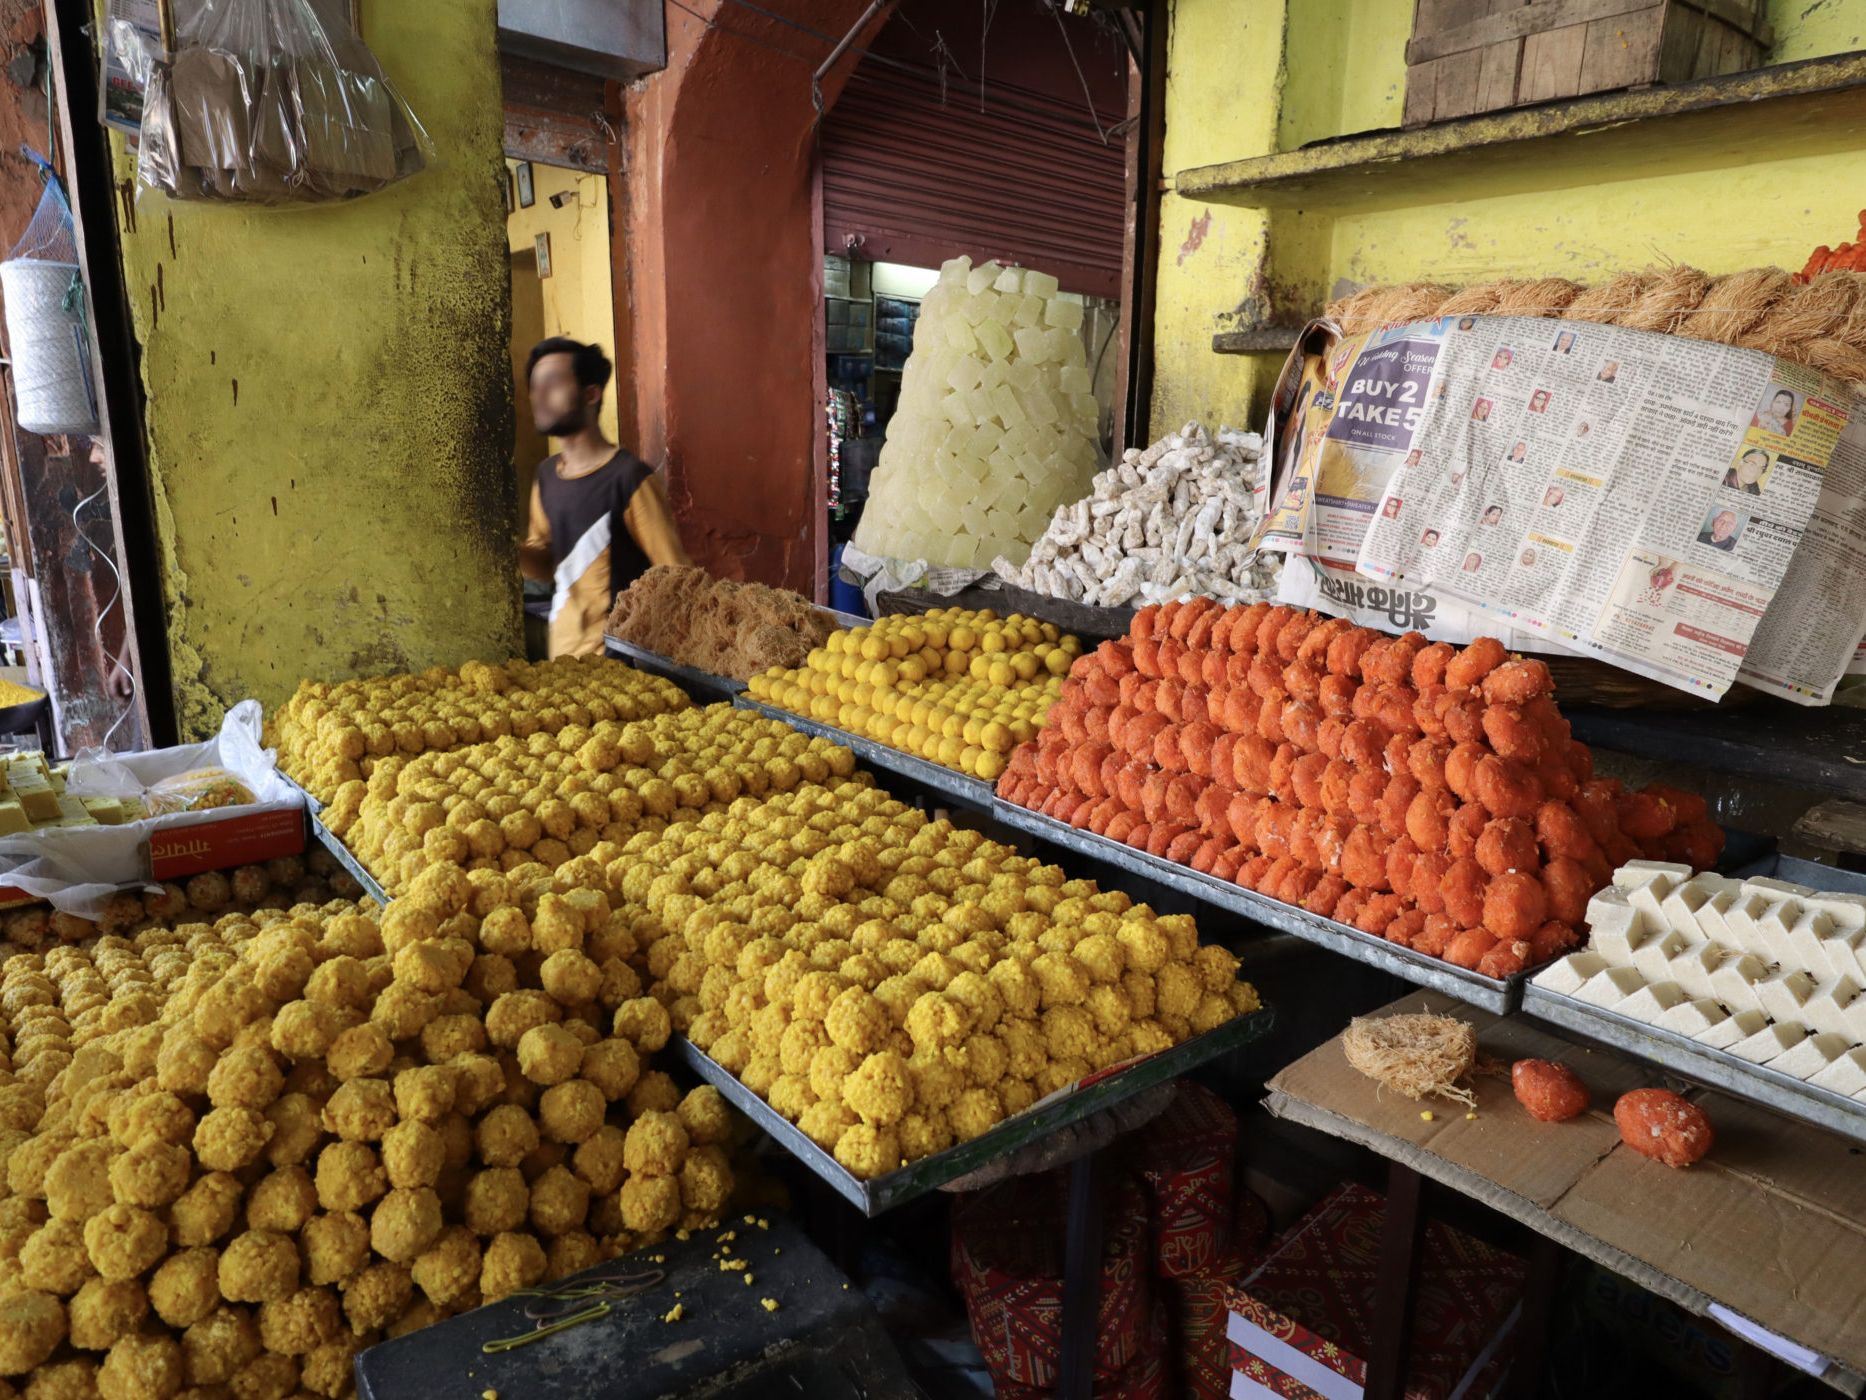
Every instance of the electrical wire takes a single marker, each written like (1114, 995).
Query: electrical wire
(97, 627)
(1088, 98)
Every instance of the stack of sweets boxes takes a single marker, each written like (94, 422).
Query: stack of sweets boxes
(1301, 1324)
(33, 797)
(1206, 1232)
(1767, 971)
(1175, 1234)
(1007, 1261)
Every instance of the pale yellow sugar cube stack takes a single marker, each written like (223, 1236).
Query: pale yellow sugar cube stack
(997, 426)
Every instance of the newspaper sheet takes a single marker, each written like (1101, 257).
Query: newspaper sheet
(1616, 493)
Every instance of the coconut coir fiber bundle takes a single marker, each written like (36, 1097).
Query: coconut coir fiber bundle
(1416, 1054)
(1821, 324)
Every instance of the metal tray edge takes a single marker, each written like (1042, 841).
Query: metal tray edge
(917, 1178)
(972, 792)
(1485, 993)
(724, 687)
(330, 841)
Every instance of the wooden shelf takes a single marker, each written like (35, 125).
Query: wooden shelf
(1257, 340)
(1822, 751)
(1814, 107)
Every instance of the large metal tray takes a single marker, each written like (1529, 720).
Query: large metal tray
(703, 686)
(1034, 1123)
(974, 793)
(1783, 1092)
(1500, 995)
(329, 840)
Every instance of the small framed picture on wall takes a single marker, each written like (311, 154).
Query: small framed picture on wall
(526, 195)
(542, 243)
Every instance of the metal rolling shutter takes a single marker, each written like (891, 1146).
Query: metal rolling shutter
(916, 180)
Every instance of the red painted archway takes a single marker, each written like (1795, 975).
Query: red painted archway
(724, 281)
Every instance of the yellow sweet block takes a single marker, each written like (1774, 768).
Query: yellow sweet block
(108, 811)
(36, 795)
(13, 818)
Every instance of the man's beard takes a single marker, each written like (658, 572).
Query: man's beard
(570, 423)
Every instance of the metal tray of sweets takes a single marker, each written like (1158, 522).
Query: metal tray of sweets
(1035, 1123)
(703, 686)
(329, 840)
(1718, 1069)
(1501, 995)
(974, 793)
(1700, 1063)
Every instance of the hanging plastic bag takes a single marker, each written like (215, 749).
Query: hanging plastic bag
(260, 103)
(45, 319)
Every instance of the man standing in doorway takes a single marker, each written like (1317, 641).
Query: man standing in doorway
(599, 517)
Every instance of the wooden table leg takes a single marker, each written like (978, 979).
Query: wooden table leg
(1532, 1328)
(1081, 1279)
(1399, 1274)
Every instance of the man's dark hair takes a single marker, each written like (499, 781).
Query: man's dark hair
(588, 362)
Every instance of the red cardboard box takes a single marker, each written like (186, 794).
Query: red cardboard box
(1200, 1305)
(241, 838)
(1301, 1323)
(1185, 1157)
(1007, 1261)
(1201, 1310)
(1149, 1377)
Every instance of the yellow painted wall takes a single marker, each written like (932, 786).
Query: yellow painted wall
(1252, 77)
(579, 299)
(329, 403)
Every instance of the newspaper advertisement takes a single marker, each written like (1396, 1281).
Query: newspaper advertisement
(1616, 493)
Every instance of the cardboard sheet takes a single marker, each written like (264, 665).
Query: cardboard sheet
(1772, 1225)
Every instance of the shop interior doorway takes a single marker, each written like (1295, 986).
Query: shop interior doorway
(558, 235)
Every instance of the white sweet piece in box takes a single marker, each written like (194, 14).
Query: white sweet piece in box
(1737, 1026)
(1654, 957)
(1780, 887)
(1680, 910)
(1711, 919)
(1734, 981)
(1565, 975)
(1805, 936)
(1648, 902)
(1853, 1018)
(1692, 1018)
(1740, 918)
(1826, 1009)
(1772, 932)
(1693, 968)
(1844, 1074)
(1784, 992)
(1845, 954)
(1769, 1042)
(1651, 1001)
(1810, 1056)
(1610, 986)
(1614, 927)
(1848, 911)
(1635, 873)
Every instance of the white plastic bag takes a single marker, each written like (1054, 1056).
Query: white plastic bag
(77, 868)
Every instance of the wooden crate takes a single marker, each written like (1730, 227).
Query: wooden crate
(1469, 56)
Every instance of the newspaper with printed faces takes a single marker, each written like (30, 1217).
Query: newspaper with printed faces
(1691, 512)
